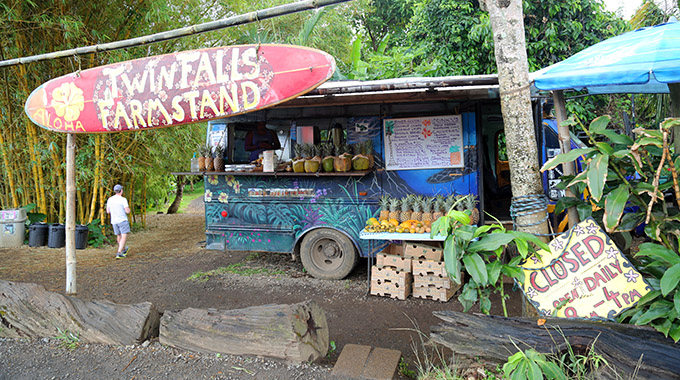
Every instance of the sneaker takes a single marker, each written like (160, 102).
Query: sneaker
(125, 251)
(120, 255)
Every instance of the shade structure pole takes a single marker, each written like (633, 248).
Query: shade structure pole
(71, 288)
(675, 112)
(568, 168)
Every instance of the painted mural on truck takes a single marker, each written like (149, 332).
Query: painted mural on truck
(270, 213)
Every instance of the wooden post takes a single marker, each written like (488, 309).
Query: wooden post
(71, 288)
(675, 112)
(568, 168)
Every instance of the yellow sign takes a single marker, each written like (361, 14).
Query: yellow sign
(587, 271)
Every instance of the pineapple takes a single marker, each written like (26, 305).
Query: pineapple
(298, 161)
(367, 150)
(471, 205)
(384, 207)
(312, 158)
(426, 205)
(417, 206)
(406, 211)
(449, 202)
(439, 207)
(218, 162)
(394, 208)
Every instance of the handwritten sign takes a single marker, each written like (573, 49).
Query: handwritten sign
(585, 269)
(179, 88)
(424, 143)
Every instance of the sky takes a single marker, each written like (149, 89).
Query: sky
(628, 7)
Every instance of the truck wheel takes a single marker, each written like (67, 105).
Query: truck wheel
(327, 254)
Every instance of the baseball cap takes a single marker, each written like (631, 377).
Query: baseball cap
(117, 189)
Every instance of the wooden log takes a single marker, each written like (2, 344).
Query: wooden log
(297, 332)
(28, 310)
(624, 347)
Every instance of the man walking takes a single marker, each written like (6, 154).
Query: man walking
(118, 207)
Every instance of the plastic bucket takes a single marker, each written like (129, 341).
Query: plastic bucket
(81, 236)
(37, 235)
(57, 236)
(12, 227)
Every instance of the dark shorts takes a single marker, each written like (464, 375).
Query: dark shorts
(121, 228)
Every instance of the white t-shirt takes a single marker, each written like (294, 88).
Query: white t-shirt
(116, 206)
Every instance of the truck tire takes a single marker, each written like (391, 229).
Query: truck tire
(327, 254)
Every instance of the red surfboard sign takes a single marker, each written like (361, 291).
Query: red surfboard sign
(178, 88)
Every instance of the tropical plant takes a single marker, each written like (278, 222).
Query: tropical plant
(628, 182)
(480, 252)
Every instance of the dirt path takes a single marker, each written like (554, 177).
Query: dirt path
(170, 250)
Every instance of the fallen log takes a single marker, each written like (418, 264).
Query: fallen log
(29, 311)
(297, 332)
(625, 347)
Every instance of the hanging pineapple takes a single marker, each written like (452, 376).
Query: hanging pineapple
(426, 205)
(439, 207)
(384, 207)
(312, 159)
(406, 204)
(218, 162)
(328, 158)
(298, 161)
(201, 160)
(208, 159)
(359, 161)
(417, 207)
(395, 203)
(471, 205)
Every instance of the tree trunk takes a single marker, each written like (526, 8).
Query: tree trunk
(507, 23)
(528, 205)
(297, 332)
(71, 283)
(492, 339)
(174, 207)
(28, 310)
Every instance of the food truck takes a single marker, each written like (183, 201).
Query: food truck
(430, 136)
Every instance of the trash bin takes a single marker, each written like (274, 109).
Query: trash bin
(12, 227)
(81, 236)
(37, 234)
(56, 238)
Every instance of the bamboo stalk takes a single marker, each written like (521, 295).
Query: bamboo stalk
(71, 288)
(657, 177)
(178, 33)
(95, 183)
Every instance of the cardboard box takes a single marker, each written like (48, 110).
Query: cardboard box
(391, 289)
(392, 261)
(394, 249)
(436, 281)
(382, 275)
(435, 294)
(429, 267)
(423, 251)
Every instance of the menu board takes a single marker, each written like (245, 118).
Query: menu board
(424, 142)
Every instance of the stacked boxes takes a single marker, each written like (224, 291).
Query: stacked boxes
(411, 268)
(430, 280)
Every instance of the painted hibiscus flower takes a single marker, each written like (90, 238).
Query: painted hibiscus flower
(68, 101)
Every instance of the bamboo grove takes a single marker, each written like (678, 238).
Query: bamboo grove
(32, 160)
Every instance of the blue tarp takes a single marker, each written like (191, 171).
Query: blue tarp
(641, 61)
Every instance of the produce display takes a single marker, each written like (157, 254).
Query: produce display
(416, 213)
(326, 157)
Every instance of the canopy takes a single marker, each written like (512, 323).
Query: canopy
(641, 61)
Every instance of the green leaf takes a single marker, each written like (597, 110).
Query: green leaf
(651, 296)
(531, 238)
(653, 313)
(566, 157)
(674, 332)
(670, 123)
(659, 252)
(670, 279)
(617, 138)
(599, 124)
(552, 371)
(491, 242)
(597, 175)
(513, 272)
(676, 301)
(614, 204)
(535, 372)
(468, 296)
(520, 372)
(580, 177)
(604, 148)
(459, 216)
(475, 266)
(494, 271)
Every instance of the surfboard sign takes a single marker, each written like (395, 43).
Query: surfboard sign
(179, 88)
